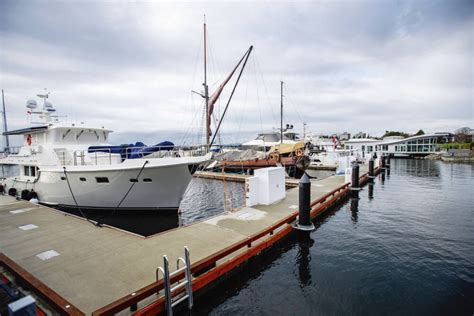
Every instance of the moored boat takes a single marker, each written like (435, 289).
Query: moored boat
(61, 165)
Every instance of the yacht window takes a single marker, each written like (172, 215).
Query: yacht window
(269, 137)
(147, 180)
(63, 178)
(82, 179)
(102, 179)
(27, 170)
(133, 180)
(33, 171)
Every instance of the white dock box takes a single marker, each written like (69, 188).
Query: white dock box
(266, 187)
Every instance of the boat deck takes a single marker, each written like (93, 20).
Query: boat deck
(97, 266)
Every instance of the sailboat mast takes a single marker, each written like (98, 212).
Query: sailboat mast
(206, 89)
(5, 129)
(281, 112)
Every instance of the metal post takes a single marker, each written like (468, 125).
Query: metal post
(355, 178)
(281, 112)
(304, 218)
(189, 278)
(383, 162)
(169, 307)
(371, 169)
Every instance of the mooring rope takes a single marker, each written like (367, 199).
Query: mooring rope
(75, 201)
(126, 194)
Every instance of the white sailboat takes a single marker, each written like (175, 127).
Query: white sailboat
(70, 165)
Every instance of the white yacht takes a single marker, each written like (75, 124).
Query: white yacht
(74, 166)
(266, 140)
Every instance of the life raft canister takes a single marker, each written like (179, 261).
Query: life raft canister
(29, 140)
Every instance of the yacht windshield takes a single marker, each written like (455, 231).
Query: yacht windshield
(269, 137)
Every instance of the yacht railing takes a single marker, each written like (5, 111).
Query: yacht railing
(105, 156)
(12, 150)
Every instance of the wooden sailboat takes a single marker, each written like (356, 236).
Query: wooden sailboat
(290, 156)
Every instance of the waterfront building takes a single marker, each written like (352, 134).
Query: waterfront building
(398, 146)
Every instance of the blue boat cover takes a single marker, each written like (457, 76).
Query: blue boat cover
(132, 151)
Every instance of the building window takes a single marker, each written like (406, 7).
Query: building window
(82, 179)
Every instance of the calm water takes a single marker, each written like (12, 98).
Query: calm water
(408, 250)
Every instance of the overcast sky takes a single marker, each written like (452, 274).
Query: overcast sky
(347, 65)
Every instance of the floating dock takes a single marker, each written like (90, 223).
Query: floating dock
(79, 268)
(236, 177)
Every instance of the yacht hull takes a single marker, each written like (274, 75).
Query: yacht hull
(158, 187)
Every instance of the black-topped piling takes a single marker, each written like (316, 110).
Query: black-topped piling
(304, 219)
(355, 178)
(371, 169)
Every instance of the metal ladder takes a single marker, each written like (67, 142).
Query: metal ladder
(187, 283)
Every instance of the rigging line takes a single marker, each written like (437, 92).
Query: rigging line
(232, 93)
(220, 134)
(265, 87)
(126, 194)
(188, 134)
(75, 201)
(196, 60)
(258, 101)
(239, 134)
(295, 108)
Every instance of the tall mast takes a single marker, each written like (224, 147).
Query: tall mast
(281, 112)
(5, 129)
(206, 89)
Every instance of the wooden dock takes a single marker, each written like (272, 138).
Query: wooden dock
(236, 177)
(105, 271)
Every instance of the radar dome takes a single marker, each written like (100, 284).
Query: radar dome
(31, 104)
(48, 106)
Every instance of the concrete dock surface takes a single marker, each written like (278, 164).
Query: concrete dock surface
(97, 266)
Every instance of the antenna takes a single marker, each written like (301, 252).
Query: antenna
(281, 112)
(5, 129)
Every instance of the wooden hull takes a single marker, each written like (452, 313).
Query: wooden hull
(295, 166)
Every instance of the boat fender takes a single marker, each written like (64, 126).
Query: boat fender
(32, 195)
(12, 192)
(34, 201)
(24, 194)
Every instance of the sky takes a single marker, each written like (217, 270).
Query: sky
(130, 66)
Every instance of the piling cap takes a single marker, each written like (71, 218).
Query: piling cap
(304, 179)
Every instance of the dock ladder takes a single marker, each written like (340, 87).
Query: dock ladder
(171, 301)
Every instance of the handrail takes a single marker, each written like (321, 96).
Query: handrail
(203, 264)
(61, 305)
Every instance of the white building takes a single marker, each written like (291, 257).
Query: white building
(397, 146)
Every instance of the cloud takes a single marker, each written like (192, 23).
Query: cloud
(347, 65)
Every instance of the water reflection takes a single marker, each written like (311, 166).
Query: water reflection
(303, 258)
(354, 209)
(141, 222)
(418, 167)
(371, 191)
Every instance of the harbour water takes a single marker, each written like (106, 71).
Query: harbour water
(408, 249)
